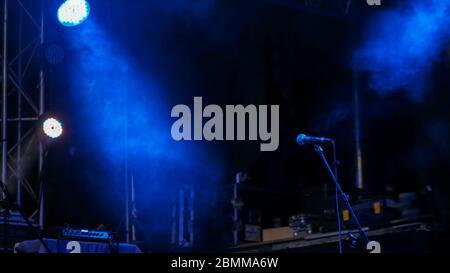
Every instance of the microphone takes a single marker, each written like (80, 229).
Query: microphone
(303, 139)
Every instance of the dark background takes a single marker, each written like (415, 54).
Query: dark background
(231, 52)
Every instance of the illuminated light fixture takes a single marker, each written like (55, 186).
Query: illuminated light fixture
(52, 128)
(73, 12)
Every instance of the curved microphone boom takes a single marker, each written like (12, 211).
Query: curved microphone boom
(303, 139)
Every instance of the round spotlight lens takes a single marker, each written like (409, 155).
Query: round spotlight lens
(73, 12)
(52, 128)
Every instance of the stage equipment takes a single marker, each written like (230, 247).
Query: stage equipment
(52, 128)
(375, 212)
(279, 233)
(344, 197)
(237, 205)
(183, 214)
(411, 205)
(8, 205)
(393, 239)
(252, 233)
(13, 229)
(68, 246)
(85, 235)
(303, 139)
(23, 87)
(254, 208)
(304, 224)
(73, 12)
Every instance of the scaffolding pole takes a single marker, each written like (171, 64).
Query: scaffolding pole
(41, 112)
(19, 114)
(359, 164)
(4, 94)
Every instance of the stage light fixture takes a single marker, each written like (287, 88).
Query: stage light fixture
(73, 12)
(52, 128)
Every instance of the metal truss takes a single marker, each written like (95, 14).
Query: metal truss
(22, 99)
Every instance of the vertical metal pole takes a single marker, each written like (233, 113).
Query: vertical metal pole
(19, 115)
(191, 215)
(4, 93)
(127, 182)
(359, 163)
(133, 209)
(181, 217)
(41, 112)
(235, 213)
(127, 205)
(173, 238)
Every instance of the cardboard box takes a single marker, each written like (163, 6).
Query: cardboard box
(281, 233)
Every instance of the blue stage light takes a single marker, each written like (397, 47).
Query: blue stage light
(52, 128)
(73, 12)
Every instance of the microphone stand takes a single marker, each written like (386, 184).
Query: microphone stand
(344, 197)
(7, 205)
(338, 214)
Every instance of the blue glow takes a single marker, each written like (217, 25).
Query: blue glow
(123, 114)
(73, 12)
(402, 45)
